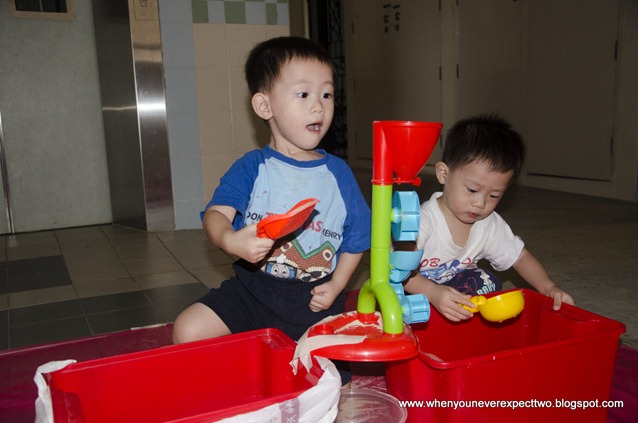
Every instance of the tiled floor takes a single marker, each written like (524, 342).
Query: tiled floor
(70, 283)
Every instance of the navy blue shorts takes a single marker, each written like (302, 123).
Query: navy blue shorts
(254, 300)
(475, 282)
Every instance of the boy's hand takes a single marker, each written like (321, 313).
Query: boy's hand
(246, 244)
(448, 301)
(323, 296)
(559, 296)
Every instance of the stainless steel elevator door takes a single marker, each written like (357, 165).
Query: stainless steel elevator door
(52, 123)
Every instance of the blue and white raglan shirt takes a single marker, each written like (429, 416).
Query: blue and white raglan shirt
(265, 182)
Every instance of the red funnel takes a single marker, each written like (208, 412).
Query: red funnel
(402, 147)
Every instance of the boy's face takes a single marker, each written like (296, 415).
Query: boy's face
(300, 106)
(472, 192)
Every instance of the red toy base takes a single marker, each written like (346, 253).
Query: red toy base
(377, 345)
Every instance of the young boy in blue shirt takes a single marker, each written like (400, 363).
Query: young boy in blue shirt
(296, 281)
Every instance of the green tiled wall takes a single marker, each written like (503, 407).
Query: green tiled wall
(249, 12)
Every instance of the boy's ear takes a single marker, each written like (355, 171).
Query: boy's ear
(261, 106)
(442, 172)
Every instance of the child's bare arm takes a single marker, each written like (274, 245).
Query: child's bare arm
(447, 300)
(324, 295)
(535, 274)
(243, 243)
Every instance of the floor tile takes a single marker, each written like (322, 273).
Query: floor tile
(165, 279)
(130, 238)
(41, 296)
(152, 266)
(90, 256)
(82, 272)
(34, 273)
(33, 251)
(112, 321)
(41, 313)
(194, 259)
(171, 310)
(42, 333)
(33, 265)
(213, 276)
(79, 234)
(169, 294)
(153, 250)
(39, 280)
(100, 288)
(31, 239)
(115, 302)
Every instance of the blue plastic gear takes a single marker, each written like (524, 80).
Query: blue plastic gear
(415, 307)
(402, 263)
(405, 215)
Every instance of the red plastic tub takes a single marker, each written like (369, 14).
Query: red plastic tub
(194, 382)
(543, 364)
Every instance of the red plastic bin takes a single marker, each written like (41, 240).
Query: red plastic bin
(194, 382)
(561, 357)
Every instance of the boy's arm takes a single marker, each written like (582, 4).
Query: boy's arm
(447, 300)
(243, 243)
(535, 274)
(324, 295)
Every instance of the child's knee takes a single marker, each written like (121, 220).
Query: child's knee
(182, 330)
(197, 322)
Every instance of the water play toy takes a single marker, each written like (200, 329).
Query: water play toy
(400, 150)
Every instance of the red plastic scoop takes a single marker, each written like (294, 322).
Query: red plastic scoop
(279, 225)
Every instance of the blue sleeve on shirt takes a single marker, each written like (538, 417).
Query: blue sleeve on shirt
(236, 185)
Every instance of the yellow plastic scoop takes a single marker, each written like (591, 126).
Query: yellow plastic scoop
(499, 307)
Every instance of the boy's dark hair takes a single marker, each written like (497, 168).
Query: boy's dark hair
(484, 138)
(266, 60)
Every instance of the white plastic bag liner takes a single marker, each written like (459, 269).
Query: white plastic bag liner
(319, 404)
(43, 406)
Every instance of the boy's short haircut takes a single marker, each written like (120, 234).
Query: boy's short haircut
(266, 60)
(484, 138)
